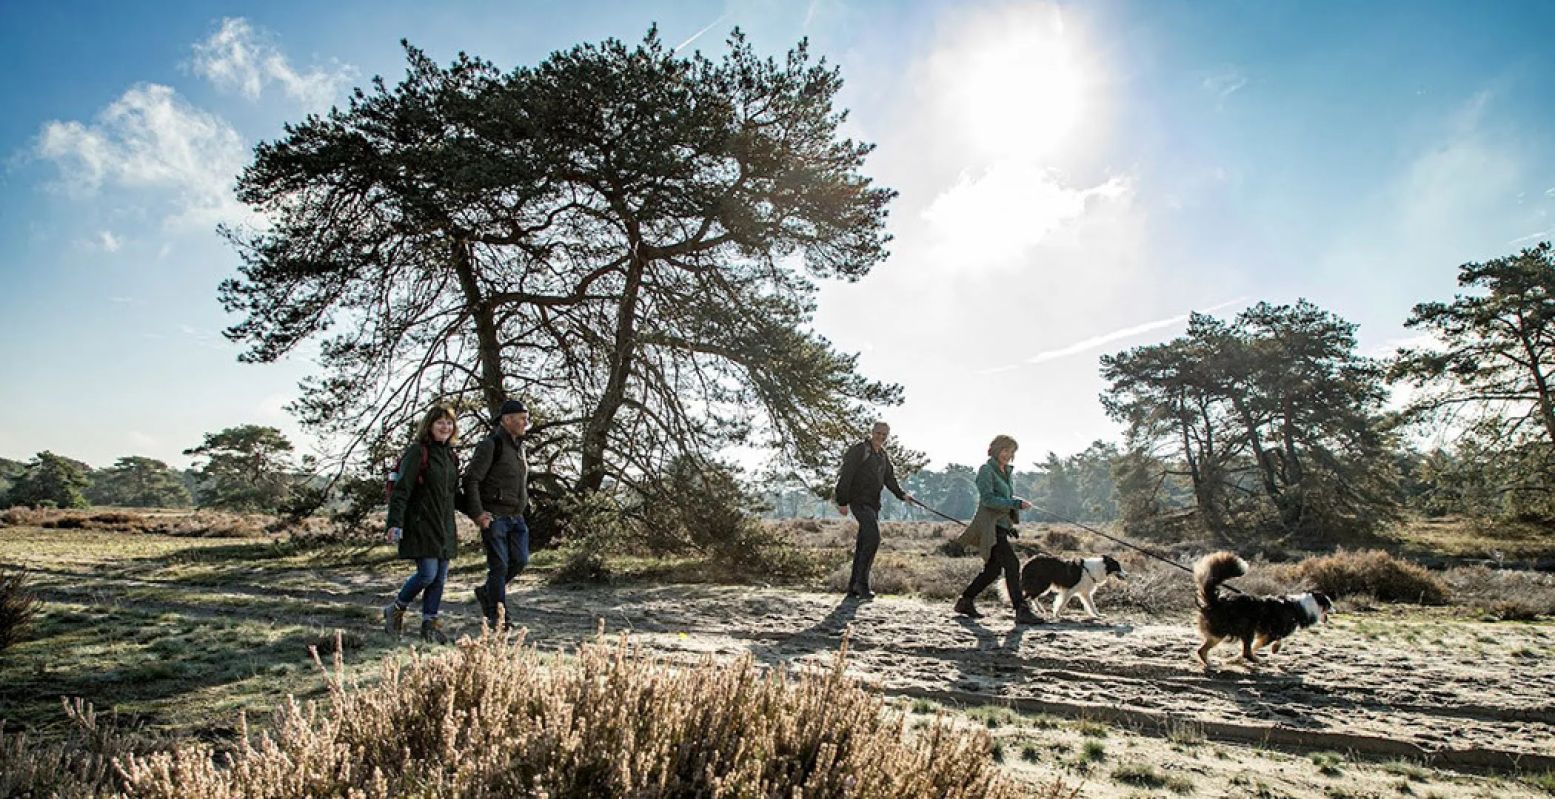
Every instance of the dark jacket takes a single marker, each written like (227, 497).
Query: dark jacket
(497, 479)
(864, 473)
(424, 508)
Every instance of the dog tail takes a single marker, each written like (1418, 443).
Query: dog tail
(1211, 571)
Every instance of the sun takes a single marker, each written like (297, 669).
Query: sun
(1017, 86)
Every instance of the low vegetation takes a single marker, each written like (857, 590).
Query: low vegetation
(496, 718)
(18, 604)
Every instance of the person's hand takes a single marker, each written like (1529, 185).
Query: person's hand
(842, 510)
(1024, 505)
(484, 520)
(393, 535)
(907, 496)
(1013, 533)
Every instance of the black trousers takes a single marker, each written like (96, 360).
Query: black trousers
(1001, 558)
(867, 545)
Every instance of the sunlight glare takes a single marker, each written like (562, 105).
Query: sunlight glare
(1021, 90)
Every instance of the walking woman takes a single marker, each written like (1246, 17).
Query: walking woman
(421, 519)
(993, 527)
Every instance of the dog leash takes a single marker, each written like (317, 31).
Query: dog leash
(950, 518)
(1115, 540)
(1084, 527)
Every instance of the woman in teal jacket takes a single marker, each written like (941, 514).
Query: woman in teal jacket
(993, 527)
(421, 520)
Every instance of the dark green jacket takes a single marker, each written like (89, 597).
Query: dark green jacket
(497, 479)
(425, 511)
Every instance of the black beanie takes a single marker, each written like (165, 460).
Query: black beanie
(511, 406)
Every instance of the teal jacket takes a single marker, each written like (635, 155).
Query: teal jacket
(424, 508)
(997, 507)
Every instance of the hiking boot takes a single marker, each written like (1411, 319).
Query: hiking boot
(432, 632)
(1024, 615)
(484, 599)
(393, 618)
(965, 607)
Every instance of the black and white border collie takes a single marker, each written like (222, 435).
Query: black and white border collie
(1254, 620)
(1068, 578)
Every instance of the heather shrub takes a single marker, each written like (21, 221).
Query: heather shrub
(79, 765)
(496, 718)
(1374, 572)
(17, 606)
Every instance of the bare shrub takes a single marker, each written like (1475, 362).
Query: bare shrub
(1374, 572)
(496, 718)
(18, 604)
(78, 766)
(1502, 594)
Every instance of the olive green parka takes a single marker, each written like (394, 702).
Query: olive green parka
(422, 505)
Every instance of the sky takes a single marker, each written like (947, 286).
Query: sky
(1074, 178)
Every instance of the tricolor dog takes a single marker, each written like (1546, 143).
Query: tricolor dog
(1068, 579)
(1254, 620)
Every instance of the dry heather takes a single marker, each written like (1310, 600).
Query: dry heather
(1376, 573)
(17, 605)
(198, 523)
(496, 718)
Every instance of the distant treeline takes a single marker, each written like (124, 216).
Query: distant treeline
(1270, 426)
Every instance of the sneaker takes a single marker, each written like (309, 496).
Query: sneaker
(393, 618)
(1024, 615)
(432, 632)
(965, 607)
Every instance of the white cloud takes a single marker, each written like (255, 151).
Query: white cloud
(1224, 83)
(1125, 333)
(240, 59)
(151, 139)
(996, 218)
(108, 241)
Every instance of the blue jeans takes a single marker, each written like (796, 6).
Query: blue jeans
(507, 553)
(431, 574)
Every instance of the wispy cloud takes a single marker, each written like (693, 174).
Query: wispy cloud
(1532, 237)
(245, 60)
(150, 138)
(108, 241)
(1224, 83)
(683, 45)
(1096, 342)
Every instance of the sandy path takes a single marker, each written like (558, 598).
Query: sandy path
(1475, 695)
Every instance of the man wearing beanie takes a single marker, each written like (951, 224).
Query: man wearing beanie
(496, 487)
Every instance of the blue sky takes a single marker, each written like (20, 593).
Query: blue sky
(1075, 178)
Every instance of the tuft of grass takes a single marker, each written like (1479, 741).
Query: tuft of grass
(1091, 729)
(1143, 775)
(1328, 763)
(1185, 733)
(1093, 752)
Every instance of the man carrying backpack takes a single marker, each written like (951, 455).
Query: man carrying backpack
(496, 487)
